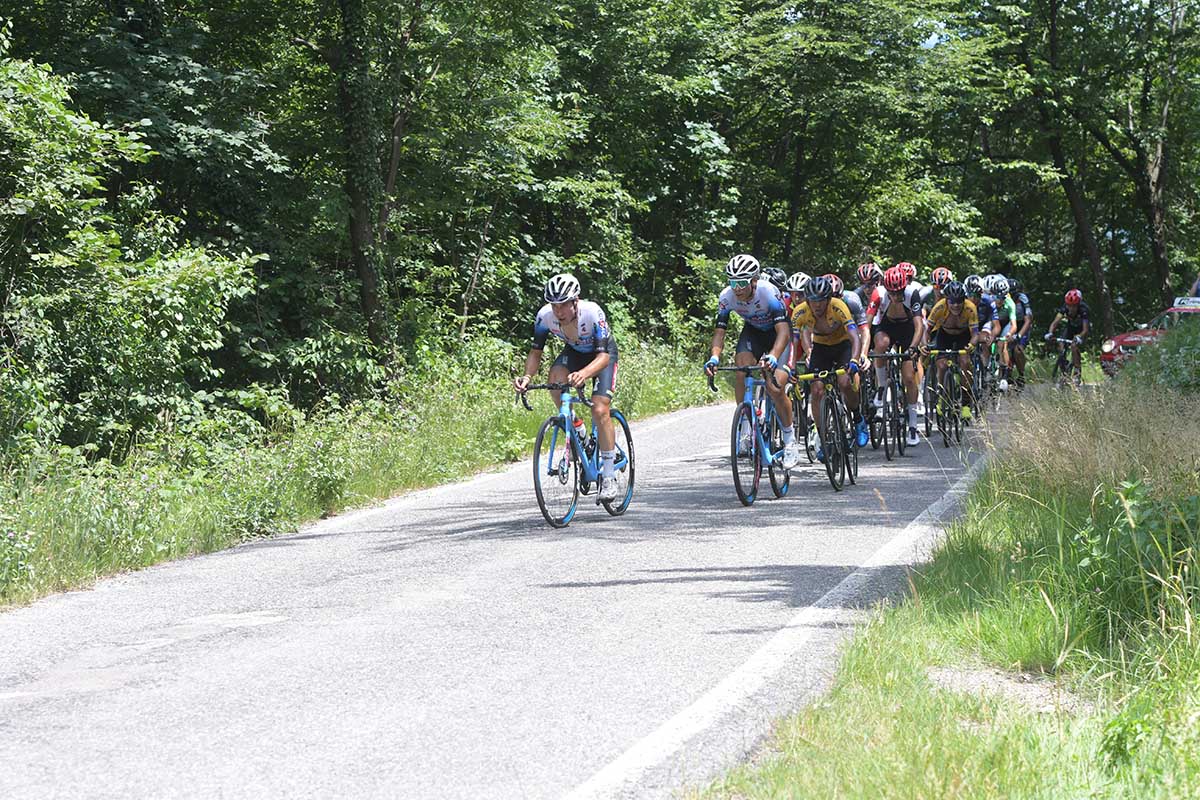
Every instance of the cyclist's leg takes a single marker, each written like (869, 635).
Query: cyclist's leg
(778, 394)
(604, 385)
(750, 347)
(559, 371)
(883, 343)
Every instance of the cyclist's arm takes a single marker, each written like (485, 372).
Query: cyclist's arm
(807, 334)
(533, 363)
(783, 333)
(1028, 323)
(597, 366)
(718, 342)
(1087, 326)
(855, 342)
(918, 332)
(1054, 324)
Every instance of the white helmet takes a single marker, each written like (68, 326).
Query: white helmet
(797, 282)
(742, 268)
(1000, 286)
(561, 288)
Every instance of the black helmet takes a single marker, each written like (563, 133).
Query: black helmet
(819, 289)
(955, 292)
(777, 277)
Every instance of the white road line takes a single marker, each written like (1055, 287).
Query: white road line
(623, 773)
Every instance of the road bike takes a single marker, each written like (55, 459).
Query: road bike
(566, 464)
(892, 419)
(1064, 373)
(839, 440)
(756, 438)
(948, 404)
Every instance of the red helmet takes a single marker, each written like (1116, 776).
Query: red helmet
(908, 268)
(869, 273)
(895, 279)
(941, 276)
(838, 286)
(1074, 297)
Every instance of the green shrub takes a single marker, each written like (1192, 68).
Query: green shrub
(1174, 361)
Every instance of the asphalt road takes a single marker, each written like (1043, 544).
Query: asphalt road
(449, 644)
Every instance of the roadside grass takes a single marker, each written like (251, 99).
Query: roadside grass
(66, 520)
(1077, 559)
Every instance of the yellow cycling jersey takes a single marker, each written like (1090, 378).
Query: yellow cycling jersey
(833, 328)
(940, 317)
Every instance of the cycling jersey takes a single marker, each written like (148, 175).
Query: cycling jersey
(763, 310)
(591, 332)
(1007, 310)
(985, 307)
(911, 306)
(1075, 323)
(854, 303)
(927, 298)
(940, 318)
(869, 298)
(833, 328)
(1023, 308)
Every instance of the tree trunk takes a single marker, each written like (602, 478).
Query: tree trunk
(361, 170)
(797, 189)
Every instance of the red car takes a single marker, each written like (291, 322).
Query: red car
(1114, 351)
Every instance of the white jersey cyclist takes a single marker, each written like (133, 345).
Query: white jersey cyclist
(764, 308)
(911, 307)
(591, 333)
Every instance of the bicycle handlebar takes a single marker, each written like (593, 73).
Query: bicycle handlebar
(554, 387)
(753, 368)
(822, 375)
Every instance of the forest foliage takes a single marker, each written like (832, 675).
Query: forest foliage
(258, 206)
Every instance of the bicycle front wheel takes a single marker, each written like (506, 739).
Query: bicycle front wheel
(929, 396)
(900, 426)
(555, 473)
(743, 454)
(624, 465)
(780, 478)
(833, 442)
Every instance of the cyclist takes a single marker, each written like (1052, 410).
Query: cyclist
(1074, 314)
(955, 322)
(989, 326)
(870, 283)
(765, 339)
(922, 294)
(1023, 324)
(898, 320)
(930, 295)
(590, 354)
(859, 314)
(1007, 317)
(796, 284)
(828, 325)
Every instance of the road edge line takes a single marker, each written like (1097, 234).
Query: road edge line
(653, 750)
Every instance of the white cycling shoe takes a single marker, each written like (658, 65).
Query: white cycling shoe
(608, 490)
(913, 438)
(791, 455)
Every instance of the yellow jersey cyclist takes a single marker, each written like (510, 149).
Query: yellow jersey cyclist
(954, 323)
(830, 334)
(765, 338)
(590, 354)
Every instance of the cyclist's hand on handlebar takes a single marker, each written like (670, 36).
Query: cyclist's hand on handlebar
(1078, 340)
(924, 349)
(1048, 336)
(576, 380)
(770, 361)
(710, 366)
(520, 383)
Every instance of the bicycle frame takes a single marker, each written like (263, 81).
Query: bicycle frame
(590, 464)
(769, 412)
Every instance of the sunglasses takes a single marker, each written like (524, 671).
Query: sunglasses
(736, 284)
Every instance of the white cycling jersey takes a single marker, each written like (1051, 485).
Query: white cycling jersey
(590, 332)
(911, 305)
(762, 311)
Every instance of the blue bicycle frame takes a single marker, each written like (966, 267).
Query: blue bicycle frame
(590, 464)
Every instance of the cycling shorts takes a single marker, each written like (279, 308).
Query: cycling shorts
(951, 341)
(758, 343)
(1005, 329)
(605, 383)
(900, 331)
(829, 356)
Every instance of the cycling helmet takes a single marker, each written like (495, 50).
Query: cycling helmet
(895, 279)
(973, 284)
(954, 292)
(798, 282)
(940, 277)
(777, 277)
(561, 288)
(742, 268)
(1014, 284)
(1000, 286)
(1074, 297)
(819, 289)
(910, 271)
(870, 273)
(836, 283)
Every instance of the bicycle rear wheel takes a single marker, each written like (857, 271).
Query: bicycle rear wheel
(780, 477)
(929, 395)
(747, 466)
(884, 415)
(833, 442)
(951, 399)
(555, 473)
(851, 443)
(624, 466)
